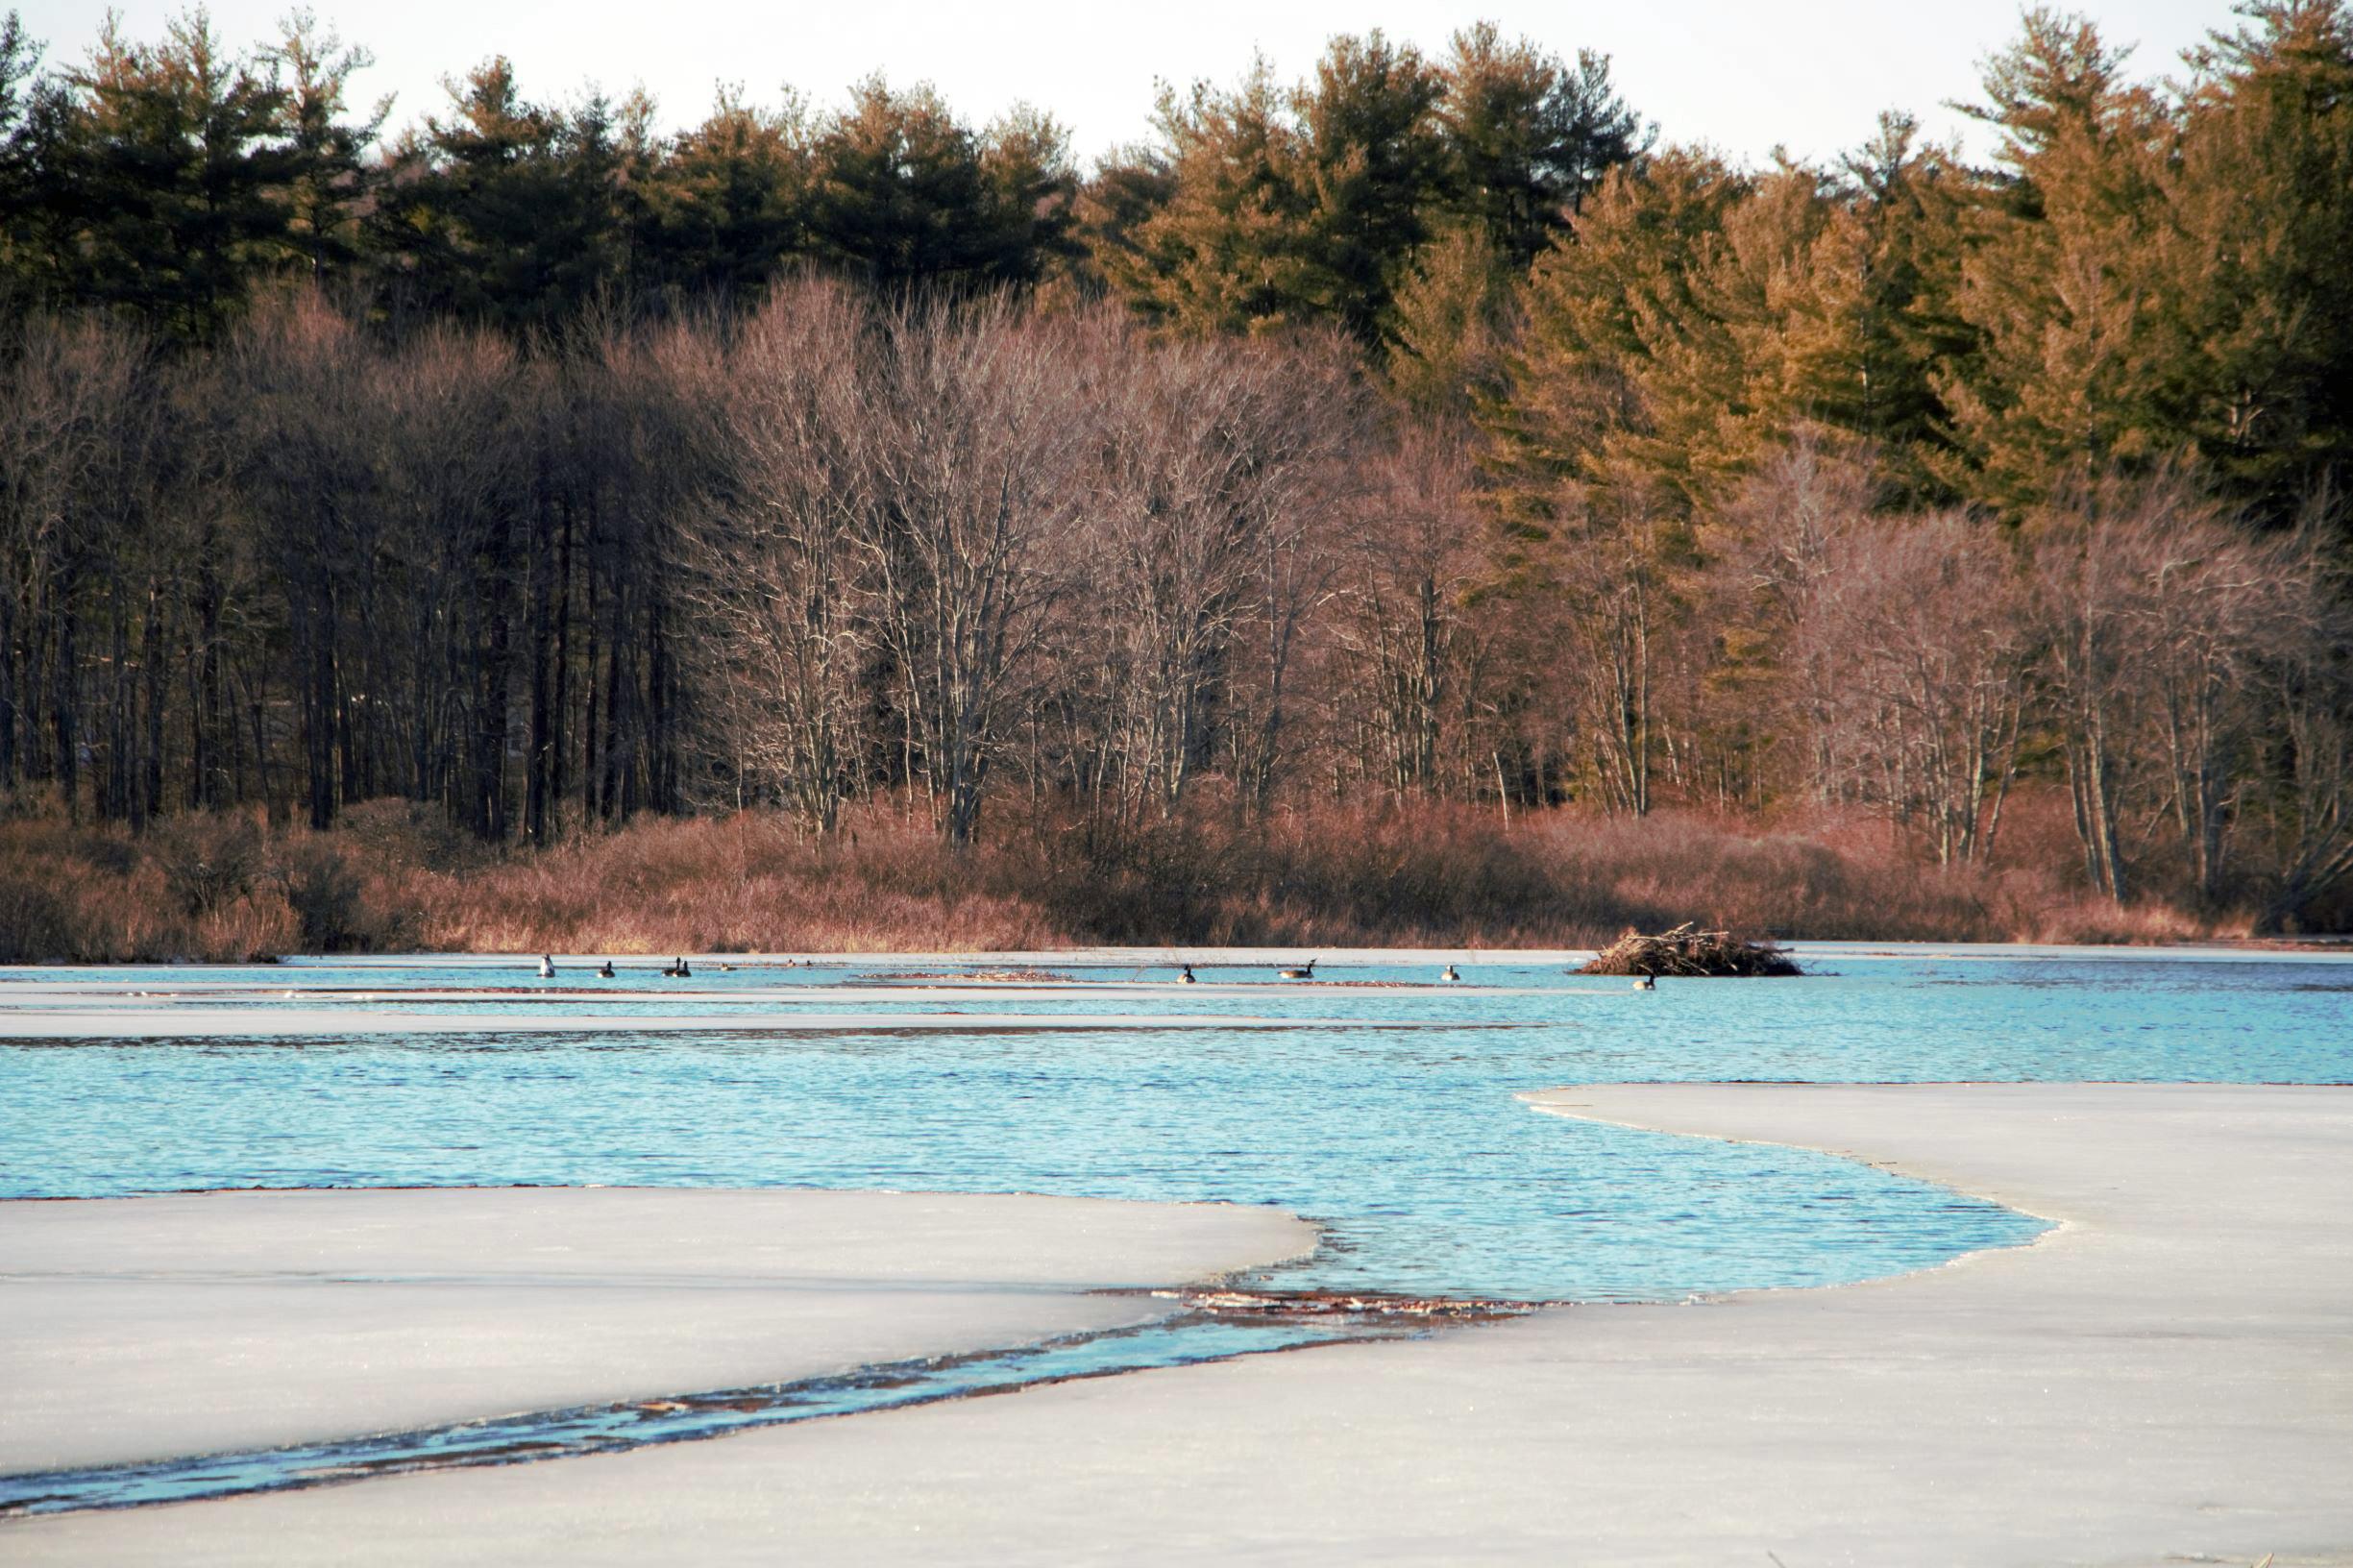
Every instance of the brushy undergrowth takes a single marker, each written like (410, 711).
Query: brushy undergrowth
(394, 877)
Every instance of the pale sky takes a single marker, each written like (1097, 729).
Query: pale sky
(1812, 75)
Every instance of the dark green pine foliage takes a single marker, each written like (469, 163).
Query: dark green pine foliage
(1530, 138)
(513, 213)
(164, 172)
(2263, 206)
(328, 176)
(727, 208)
(30, 108)
(1372, 162)
(903, 194)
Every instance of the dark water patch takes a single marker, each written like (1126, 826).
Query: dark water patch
(1188, 1338)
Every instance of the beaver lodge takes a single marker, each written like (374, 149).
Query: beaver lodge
(1686, 951)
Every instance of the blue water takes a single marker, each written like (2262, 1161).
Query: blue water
(1407, 1144)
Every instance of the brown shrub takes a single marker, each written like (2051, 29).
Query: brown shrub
(395, 877)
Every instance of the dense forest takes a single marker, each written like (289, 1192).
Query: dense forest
(1431, 434)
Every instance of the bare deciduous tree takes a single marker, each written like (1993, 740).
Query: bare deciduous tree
(771, 547)
(975, 424)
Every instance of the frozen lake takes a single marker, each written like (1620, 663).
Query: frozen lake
(1374, 1099)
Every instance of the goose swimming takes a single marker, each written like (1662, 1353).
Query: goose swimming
(605, 970)
(547, 967)
(1304, 971)
(1450, 972)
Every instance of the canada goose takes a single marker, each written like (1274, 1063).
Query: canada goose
(605, 970)
(1646, 982)
(547, 967)
(1304, 971)
(1186, 978)
(1451, 973)
(678, 971)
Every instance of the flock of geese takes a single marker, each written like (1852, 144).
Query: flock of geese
(677, 969)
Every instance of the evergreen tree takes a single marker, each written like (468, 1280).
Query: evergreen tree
(1228, 250)
(1619, 328)
(467, 200)
(1373, 164)
(326, 174)
(903, 193)
(1529, 136)
(2057, 279)
(1451, 327)
(1131, 185)
(728, 204)
(2257, 253)
(28, 101)
(168, 169)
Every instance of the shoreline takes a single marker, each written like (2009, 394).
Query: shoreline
(2167, 1374)
(1168, 955)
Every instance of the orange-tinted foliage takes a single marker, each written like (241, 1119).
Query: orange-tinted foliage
(394, 877)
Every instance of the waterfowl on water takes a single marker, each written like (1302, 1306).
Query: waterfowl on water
(547, 967)
(1646, 982)
(1451, 973)
(1304, 971)
(1186, 978)
(678, 971)
(605, 970)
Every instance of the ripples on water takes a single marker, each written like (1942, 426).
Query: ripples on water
(1430, 1178)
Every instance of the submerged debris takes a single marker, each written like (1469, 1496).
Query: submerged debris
(1689, 952)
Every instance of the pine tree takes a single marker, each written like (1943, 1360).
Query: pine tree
(2257, 253)
(1228, 250)
(1373, 165)
(169, 170)
(1530, 138)
(326, 174)
(728, 204)
(1452, 332)
(2058, 276)
(903, 193)
(1621, 328)
(468, 201)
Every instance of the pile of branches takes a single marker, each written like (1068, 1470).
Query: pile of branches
(1686, 951)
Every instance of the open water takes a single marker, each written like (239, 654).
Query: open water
(1386, 1110)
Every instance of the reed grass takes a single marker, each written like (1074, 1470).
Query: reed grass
(394, 877)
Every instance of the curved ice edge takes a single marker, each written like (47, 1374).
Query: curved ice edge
(1203, 1324)
(2053, 1225)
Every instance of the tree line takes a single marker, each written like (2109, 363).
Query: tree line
(1427, 428)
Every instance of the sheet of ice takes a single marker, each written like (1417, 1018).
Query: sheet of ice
(2165, 1378)
(142, 1328)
